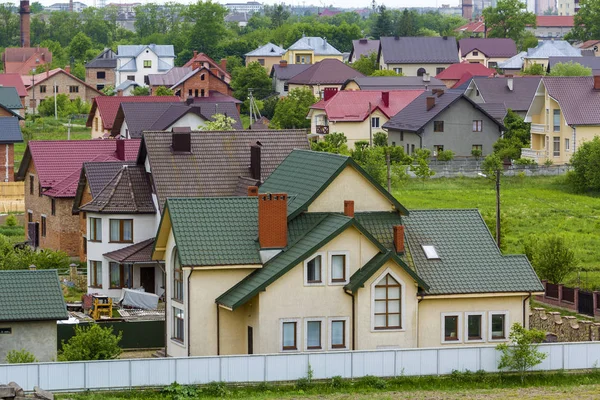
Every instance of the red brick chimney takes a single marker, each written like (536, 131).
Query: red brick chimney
(224, 64)
(399, 238)
(25, 23)
(385, 97)
(120, 150)
(252, 191)
(349, 208)
(195, 53)
(596, 82)
(68, 69)
(272, 220)
(120, 92)
(283, 63)
(329, 92)
(430, 102)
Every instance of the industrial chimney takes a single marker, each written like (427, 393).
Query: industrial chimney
(25, 31)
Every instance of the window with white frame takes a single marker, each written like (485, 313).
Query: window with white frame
(567, 145)
(178, 324)
(451, 329)
(477, 125)
(338, 333)
(177, 277)
(338, 267)
(474, 327)
(313, 270)
(313, 333)
(387, 302)
(498, 322)
(374, 122)
(289, 334)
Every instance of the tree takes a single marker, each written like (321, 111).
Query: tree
(20, 357)
(445, 155)
(491, 166)
(528, 41)
(508, 20)
(366, 65)
(421, 168)
(208, 26)
(9, 26)
(254, 77)
(79, 45)
(334, 142)
(141, 91)
(278, 15)
(163, 91)
(522, 353)
(407, 24)
(233, 62)
(386, 72)
(91, 343)
(570, 69)
(220, 122)
(551, 258)
(380, 139)
(586, 166)
(534, 69)
(291, 111)
(36, 7)
(586, 25)
(382, 24)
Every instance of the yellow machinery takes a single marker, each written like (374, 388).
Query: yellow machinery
(101, 306)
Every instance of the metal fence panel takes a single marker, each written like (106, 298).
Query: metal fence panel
(107, 374)
(286, 367)
(197, 371)
(243, 369)
(328, 365)
(424, 362)
(25, 375)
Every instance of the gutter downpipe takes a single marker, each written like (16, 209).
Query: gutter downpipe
(525, 302)
(218, 332)
(419, 134)
(353, 319)
(417, 318)
(189, 339)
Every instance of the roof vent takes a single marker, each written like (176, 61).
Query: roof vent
(181, 142)
(430, 252)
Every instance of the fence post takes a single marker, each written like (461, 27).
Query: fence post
(595, 301)
(544, 282)
(560, 295)
(576, 299)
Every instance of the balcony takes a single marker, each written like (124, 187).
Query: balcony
(538, 128)
(536, 155)
(322, 129)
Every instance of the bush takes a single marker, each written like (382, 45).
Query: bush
(476, 153)
(586, 166)
(524, 161)
(551, 258)
(548, 162)
(445, 155)
(64, 107)
(380, 139)
(11, 221)
(91, 343)
(337, 382)
(178, 392)
(303, 384)
(217, 389)
(372, 382)
(20, 357)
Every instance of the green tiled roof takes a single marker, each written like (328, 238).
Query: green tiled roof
(9, 98)
(304, 174)
(469, 260)
(215, 230)
(326, 229)
(31, 296)
(380, 225)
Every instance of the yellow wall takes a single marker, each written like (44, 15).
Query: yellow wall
(321, 58)
(431, 309)
(352, 86)
(350, 185)
(268, 62)
(411, 69)
(483, 59)
(97, 133)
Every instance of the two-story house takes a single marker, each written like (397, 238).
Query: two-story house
(329, 73)
(136, 62)
(330, 261)
(311, 50)
(562, 117)
(417, 56)
(439, 120)
(100, 72)
(25, 60)
(267, 55)
(281, 73)
(359, 115)
(488, 52)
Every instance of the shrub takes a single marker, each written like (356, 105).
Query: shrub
(337, 382)
(476, 153)
(522, 353)
(372, 382)
(524, 161)
(551, 258)
(548, 162)
(445, 155)
(586, 166)
(20, 357)
(91, 343)
(179, 392)
(303, 384)
(380, 139)
(217, 389)
(11, 220)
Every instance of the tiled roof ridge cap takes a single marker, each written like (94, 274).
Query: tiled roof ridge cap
(118, 177)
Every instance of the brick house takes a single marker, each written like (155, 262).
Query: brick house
(100, 72)
(22, 60)
(10, 133)
(42, 85)
(201, 59)
(51, 170)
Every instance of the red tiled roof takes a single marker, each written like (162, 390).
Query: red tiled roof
(201, 57)
(22, 59)
(13, 80)
(588, 44)
(463, 79)
(109, 105)
(456, 71)
(354, 105)
(475, 27)
(555, 20)
(58, 162)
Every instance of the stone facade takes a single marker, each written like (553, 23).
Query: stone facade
(201, 84)
(67, 84)
(92, 77)
(564, 328)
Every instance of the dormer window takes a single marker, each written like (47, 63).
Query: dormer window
(430, 252)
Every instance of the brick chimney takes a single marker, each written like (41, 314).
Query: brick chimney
(399, 238)
(255, 162)
(385, 97)
(272, 220)
(252, 191)
(195, 53)
(329, 92)
(349, 208)
(596, 82)
(282, 63)
(224, 64)
(24, 11)
(68, 69)
(120, 149)
(120, 92)
(430, 102)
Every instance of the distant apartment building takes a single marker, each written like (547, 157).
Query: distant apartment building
(567, 7)
(248, 7)
(77, 7)
(541, 6)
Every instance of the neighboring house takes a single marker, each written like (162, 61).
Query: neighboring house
(267, 55)
(489, 52)
(444, 121)
(590, 62)
(42, 86)
(14, 80)
(75, 6)
(417, 56)
(200, 82)
(100, 72)
(136, 62)
(51, 170)
(10, 133)
(552, 26)
(516, 93)
(562, 115)
(547, 49)
(126, 88)
(321, 263)
(329, 73)
(167, 79)
(458, 74)
(24, 60)
(281, 73)
(363, 47)
(393, 83)
(31, 301)
(10, 102)
(590, 45)
(241, 19)
(359, 115)
(311, 50)
(473, 28)
(104, 110)
(202, 60)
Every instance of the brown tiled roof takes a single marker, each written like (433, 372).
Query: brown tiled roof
(139, 252)
(217, 161)
(328, 71)
(97, 175)
(578, 100)
(109, 105)
(129, 192)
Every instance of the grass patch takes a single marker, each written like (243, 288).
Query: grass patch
(530, 207)
(72, 293)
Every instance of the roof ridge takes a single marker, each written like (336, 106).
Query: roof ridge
(118, 178)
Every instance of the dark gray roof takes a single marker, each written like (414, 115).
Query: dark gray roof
(419, 50)
(363, 47)
(491, 47)
(495, 90)
(415, 116)
(496, 110)
(395, 83)
(10, 131)
(9, 97)
(139, 116)
(136, 253)
(327, 71)
(217, 160)
(289, 71)
(98, 174)
(106, 59)
(168, 79)
(590, 62)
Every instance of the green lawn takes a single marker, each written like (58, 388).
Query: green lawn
(530, 206)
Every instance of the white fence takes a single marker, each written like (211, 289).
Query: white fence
(153, 372)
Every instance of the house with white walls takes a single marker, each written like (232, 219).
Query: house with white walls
(136, 62)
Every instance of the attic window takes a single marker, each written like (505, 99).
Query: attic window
(430, 252)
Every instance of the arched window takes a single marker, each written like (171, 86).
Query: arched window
(387, 303)
(421, 71)
(177, 277)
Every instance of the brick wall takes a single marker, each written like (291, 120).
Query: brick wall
(91, 77)
(5, 113)
(63, 81)
(7, 165)
(195, 83)
(563, 328)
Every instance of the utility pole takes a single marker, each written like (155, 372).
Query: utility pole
(370, 127)
(498, 208)
(33, 89)
(55, 106)
(389, 172)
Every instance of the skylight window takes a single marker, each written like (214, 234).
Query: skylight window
(430, 252)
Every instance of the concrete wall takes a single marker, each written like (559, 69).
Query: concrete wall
(38, 337)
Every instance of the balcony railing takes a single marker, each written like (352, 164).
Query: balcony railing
(537, 128)
(323, 129)
(535, 155)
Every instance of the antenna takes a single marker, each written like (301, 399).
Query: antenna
(253, 107)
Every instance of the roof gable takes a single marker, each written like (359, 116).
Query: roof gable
(108, 106)
(497, 90)
(491, 47)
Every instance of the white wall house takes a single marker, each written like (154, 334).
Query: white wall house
(136, 62)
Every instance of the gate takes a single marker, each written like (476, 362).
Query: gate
(586, 303)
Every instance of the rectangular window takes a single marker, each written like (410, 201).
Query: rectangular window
(5, 331)
(53, 206)
(438, 126)
(477, 147)
(131, 77)
(474, 327)
(387, 303)
(412, 149)
(313, 335)
(73, 89)
(556, 120)
(477, 125)
(398, 70)
(375, 122)
(338, 334)
(556, 145)
(29, 216)
(286, 87)
(498, 326)
(450, 328)
(39, 189)
(567, 145)
(43, 225)
(42, 88)
(31, 184)
(178, 324)
(99, 87)
(96, 274)
(338, 268)
(402, 136)
(121, 230)
(95, 233)
(289, 336)
(147, 63)
(261, 61)
(313, 270)
(55, 89)
(439, 70)
(121, 275)
(475, 53)
(100, 75)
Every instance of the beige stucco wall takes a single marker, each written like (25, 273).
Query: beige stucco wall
(483, 59)
(350, 185)
(411, 69)
(98, 133)
(431, 309)
(37, 337)
(352, 86)
(268, 62)
(353, 130)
